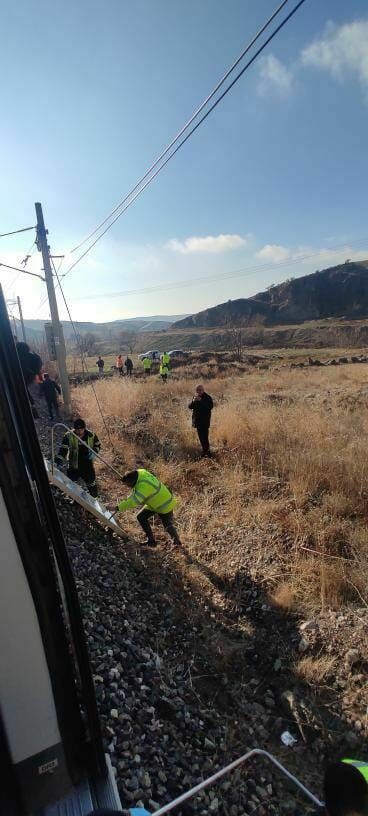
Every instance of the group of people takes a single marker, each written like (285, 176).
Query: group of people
(128, 363)
(345, 782)
(147, 361)
(80, 446)
(31, 365)
(119, 365)
(164, 365)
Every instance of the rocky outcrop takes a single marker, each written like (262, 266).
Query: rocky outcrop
(335, 292)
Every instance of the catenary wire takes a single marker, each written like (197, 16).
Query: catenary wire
(24, 264)
(78, 341)
(246, 272)
(24, 271)
(188, 135)
(15, 232)
(185, 127)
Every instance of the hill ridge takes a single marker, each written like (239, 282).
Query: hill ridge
(337, 291)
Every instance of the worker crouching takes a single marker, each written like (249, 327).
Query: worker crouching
(80, 458)
(156, 499)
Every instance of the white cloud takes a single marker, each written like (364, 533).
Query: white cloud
(320, 258)
(274, 253)
(274, 76)
(209, 244)
(342, 51)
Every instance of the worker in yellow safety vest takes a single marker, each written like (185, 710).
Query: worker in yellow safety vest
(346, 788)
(155, 499)
(164, 370)
(80, 457)
(147, 365)
(165, 358)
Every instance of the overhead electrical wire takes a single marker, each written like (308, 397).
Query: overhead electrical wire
(15, 232)
(185, 139)
(185, 127)
(24, 262)
(78, 341)
(249, 271)
(24, 271)
(246, 272)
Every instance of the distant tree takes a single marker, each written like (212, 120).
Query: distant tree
(234, 340)
(128, 341)
(88, 343)
(219, 342)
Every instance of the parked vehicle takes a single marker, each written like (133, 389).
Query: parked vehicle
(153, 354)
(178, 353)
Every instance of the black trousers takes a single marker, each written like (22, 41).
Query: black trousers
(53, 404)
(167, 520)
(203, 431)
(86, 472)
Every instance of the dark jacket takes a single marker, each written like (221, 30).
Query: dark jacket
(50, 389)
(129, 364)
(30, 362)
(201, 408)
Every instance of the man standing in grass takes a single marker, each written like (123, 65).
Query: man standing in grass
(147, 365)
(165, 359)
(119, 364)
(164, 370)
(157, 500)
(129, 366)
(100, 365)
(202, 405)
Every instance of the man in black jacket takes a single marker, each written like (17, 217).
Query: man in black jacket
(202, 405)
(50, 390)
(129, 366)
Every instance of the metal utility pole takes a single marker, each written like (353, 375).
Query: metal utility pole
(21, 319)
(43, 247)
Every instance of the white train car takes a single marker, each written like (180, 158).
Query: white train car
(51, 753)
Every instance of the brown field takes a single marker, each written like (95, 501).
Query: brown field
(285, 497)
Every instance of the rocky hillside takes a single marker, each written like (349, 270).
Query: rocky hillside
(335, 292)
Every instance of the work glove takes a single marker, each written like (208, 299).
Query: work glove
(91, 455)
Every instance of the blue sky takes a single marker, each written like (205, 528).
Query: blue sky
(92, 90)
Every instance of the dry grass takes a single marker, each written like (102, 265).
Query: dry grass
(286, 495)
(315, 670)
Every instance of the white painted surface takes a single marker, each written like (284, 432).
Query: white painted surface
(26, 697)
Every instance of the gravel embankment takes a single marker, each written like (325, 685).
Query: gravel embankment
(186, 682)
